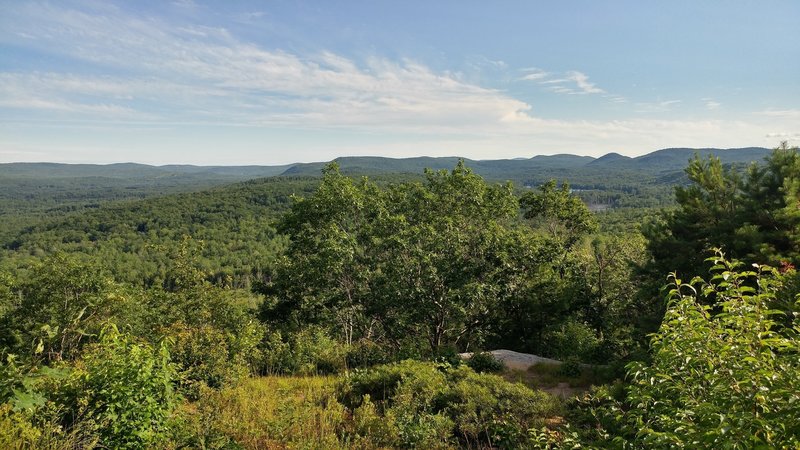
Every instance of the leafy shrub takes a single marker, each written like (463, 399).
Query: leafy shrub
(277, 356)
(448, 355)
(487, 408)
(62, 306)
(570, 367)
(369, 427)
(721, 379)
(125, 389)
(435, 405)
(214, 331)
(723, 375)
(574, 339)
(410, 394)
(380, 383)
(204, 356)
(310, 351)
(485, 362)
(366, 353)
(317, 353)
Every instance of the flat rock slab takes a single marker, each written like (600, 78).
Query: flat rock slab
(515, 360)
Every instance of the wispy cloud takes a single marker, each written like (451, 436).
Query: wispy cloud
(787, 121)
(582, 82)
(711, 104)
(194, 67)
(784, 136)
(572, 82)
(781, 113)
(656, 107)
(534, 74)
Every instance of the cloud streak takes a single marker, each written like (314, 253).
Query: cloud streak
(189, 68)
(572, 82)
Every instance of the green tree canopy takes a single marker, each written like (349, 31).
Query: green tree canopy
(562, 215)
(431, 259)
(755, 219)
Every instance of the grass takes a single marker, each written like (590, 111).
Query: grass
(270, 413)
(281, 412)
(23, 432)
(549, 378)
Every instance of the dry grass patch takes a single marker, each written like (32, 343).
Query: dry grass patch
(275, 413)
(551, 378)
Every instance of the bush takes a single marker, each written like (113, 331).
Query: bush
(448, 355)
(571, 367)
(125, 389)
(485, 362)
(435, 405)
(366, 354)
(317, 353)
(310, 351)
(380, 383)
(487, 408)
(723, 375)
(574, 339)
(370, 428)
(277, 355)
(62, 305)
(204, 356)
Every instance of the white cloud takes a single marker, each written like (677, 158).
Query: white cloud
(781, 113)
(616, 98)
(147, 73)
(572, 82)
(783, 135)
(711, 104)
(481, 62)
(656, 107)
(534, 74)
(187, 68)
(582, 81)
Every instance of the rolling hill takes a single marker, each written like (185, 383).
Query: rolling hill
(658, 161)
(30, 191)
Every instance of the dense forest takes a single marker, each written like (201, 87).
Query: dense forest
(353, 306)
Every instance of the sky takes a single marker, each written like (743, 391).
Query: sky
(275, 82)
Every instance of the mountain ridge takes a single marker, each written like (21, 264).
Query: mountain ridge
(667, 159)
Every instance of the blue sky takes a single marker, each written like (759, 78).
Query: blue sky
(274, 82)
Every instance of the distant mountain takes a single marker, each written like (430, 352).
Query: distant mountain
(677, 158)
(374, 165)
(499, 168)
(29, 191)
(56, 170)
(232, 171)
(610, 159)
(660, 161)
(133, 170)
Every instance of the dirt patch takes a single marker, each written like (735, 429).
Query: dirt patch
(545, 374)
(515, 360)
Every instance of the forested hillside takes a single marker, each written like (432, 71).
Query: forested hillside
(329, 311)
(33, 191)
(234, 224)
(30, 191)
